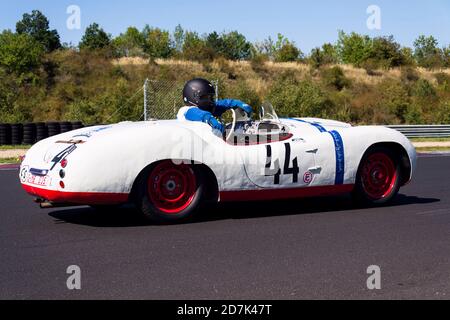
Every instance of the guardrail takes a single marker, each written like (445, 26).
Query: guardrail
(423, 131)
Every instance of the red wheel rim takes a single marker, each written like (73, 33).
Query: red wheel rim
(378, 176)
(171, 187)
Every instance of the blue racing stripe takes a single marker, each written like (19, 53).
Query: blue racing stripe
(338, 146)
(315, 124)
(340, 157)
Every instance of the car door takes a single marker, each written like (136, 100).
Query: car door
(282, 164)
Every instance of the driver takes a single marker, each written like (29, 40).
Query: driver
(199, 96)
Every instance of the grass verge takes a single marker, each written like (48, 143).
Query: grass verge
(10, 161)
(433, 149)
(430, 139)
(15, 147)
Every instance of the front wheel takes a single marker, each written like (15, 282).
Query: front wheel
(378, 178)
(169, 192)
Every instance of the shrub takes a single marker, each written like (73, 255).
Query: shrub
(424, 89)
(335, 78)
(304, 98)
(258, 63)
(442, 114)
(414, 115)
(240, 90)
(443, 80)
(288, 53)
(395, 98)
(323, 56)
(409, 74)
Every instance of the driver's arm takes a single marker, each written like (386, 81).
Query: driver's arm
(196, 114)
(227, 104)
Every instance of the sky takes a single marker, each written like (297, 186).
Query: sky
(308, 23)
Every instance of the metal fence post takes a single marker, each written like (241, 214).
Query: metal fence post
(145, 99)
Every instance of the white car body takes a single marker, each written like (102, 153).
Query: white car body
(103, 162)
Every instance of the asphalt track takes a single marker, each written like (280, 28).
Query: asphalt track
(304, 249)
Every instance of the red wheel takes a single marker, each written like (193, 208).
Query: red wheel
(169, 192)
(378, 177)
(171, 188)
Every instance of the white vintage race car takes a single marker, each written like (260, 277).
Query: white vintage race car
(168, 168)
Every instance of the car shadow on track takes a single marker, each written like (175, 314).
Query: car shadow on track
(128, 217)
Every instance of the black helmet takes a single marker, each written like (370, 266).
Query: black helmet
(200, 93)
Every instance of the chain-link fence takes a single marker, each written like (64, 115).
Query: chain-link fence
(163, 98)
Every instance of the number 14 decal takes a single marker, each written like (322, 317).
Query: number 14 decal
(276, 171)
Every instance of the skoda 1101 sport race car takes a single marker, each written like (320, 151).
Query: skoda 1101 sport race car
(168, 168)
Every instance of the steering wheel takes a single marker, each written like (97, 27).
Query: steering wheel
(233, 126)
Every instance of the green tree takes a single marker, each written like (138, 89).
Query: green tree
(130, 43)
(235, 46)
(323, 56)
(265, 48)
(178, 37)
(427, 53)
(216, 43)
(157, 42)
(20, 53)
(288, 52)
(354, 48)
(195, 48)
(386, 52)
(95, 38)
(36, 25)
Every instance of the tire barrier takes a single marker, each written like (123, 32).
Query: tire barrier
(5, 134)
(65, 126)
(53, 128)
(77, 125)
(30, 133)
(41, 131)
(16, 133)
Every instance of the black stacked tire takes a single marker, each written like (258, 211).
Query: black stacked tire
(65, 126)
(41, 131)
(16, 133)
(53, 128)
(29, 133)
(5, 134)
(77, 125)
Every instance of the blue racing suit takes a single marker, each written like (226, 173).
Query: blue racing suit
(196, 114)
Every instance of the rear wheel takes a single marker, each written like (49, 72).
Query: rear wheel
(168, 192)
(378, 178)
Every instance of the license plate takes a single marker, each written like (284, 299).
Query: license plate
(38, 180)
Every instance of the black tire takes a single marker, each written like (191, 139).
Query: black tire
(65, 126)
(41, 131)
(29, 133)
(5, 134)
(16, 134)
(77, 125)
(153, 213)
(367, 181)
(53, 128)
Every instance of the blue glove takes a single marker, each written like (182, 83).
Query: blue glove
(226, 104)
(216, 125)
(195, 114)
